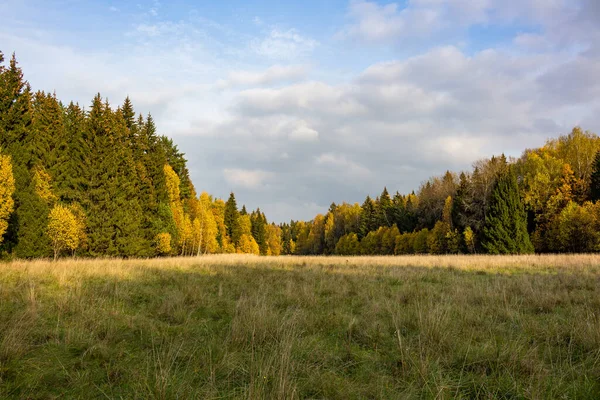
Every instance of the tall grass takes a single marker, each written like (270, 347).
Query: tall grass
(301, 327)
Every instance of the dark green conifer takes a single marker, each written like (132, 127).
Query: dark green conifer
(505, 229)
(259, 230)
(595, 179)
(384, 209)
(368, 218)
(232, 219)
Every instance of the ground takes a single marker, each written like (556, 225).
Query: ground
(301, 327)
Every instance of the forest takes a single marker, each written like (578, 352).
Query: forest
(100, 181)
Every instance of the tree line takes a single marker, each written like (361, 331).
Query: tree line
(544, 201)
(102, 182)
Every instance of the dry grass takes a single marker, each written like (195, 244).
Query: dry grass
(302, 327)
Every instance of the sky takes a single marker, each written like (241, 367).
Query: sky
(295, 105)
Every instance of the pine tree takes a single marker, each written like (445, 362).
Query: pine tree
(368, 218)
(384, 209)
(259, 230)
(128, 114)
(111, 201)
(25, 235)
(505, 230)
(232, 220)
(595, 179)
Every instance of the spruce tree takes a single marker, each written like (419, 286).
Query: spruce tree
(232, 220)
(505, 229)
(595, 179)
(398, 210)
(128, 114)
(460, 204)
(259, 230)
(72, 166)
(384, 209)
(368, 218)
(26, 231)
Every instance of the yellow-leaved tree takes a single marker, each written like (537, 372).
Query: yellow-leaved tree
(80, 217)
(183, 224)
(63, 229)
(7, 188)
(186, 235)
(43, 185)
(205, 226)
(248, 245)
(274, 240)
(163, 243)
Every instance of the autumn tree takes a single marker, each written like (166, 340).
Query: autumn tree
(247, 245)
(162, 243)
(469, 238)
(348, 245)
(7, 189)
(274, 240)
(205, 226)
(63, 229)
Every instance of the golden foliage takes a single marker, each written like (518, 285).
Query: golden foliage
(43, 185)
(248, 245)
(274, 240)
(182, 222)
(7, 188)
(469, 237)
(245, 225)
(63, 229)
(163, 243)
(80, 218)
(172, 182)
(205, 227)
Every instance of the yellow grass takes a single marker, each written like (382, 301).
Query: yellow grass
(240, 326)
(360, 265)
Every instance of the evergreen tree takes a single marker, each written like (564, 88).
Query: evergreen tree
(368, 218)
(232, 220)
(595, 179)
(259, 230)
(505, 230)
(26, 231)
(384, 209)
(128, 114)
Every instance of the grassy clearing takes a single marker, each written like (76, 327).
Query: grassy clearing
(292, 327)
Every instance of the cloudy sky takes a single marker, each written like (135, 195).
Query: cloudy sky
(293, 105)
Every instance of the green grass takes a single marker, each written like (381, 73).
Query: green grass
(335, 328)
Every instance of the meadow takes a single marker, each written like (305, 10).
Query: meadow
(220, 327)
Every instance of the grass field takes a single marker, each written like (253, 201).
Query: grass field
(292, 327)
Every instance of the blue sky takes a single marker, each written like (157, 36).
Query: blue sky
(294, 105)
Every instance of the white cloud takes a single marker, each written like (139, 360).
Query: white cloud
(285, 45)
(247, 179)
(303, 133)
(342, 165)
(374, 22)
(272, 75)
(331, 132)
